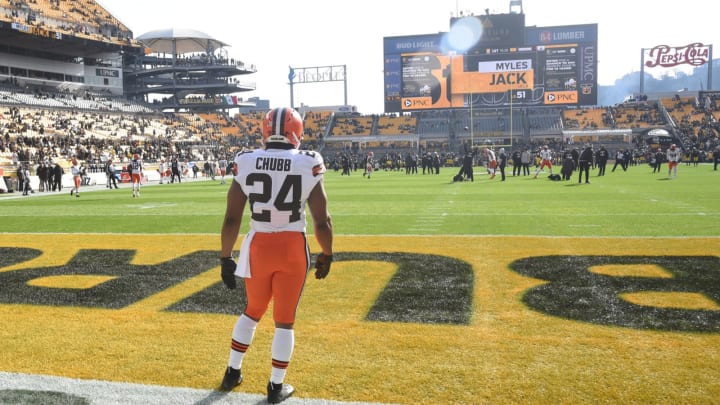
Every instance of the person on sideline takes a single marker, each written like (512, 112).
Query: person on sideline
(658, 157)
(281, 180)
(673, 159)
(466, 170)
(516, 162)
(110, 173)
(584, 162)
(76, 173)
(26, 179)
(58, 172)
(175, 169)
(601, 158)
(136, 166)
(526, 159)
(502, 162)
(568, 165)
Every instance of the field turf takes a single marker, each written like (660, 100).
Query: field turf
(523, 291)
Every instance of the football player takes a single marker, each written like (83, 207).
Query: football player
(545, 160)
(369, 164)
(136, 168)
(673, 158)
(491, 161)
(76, 173)
(277, 181)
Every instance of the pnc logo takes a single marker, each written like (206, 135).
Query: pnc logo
(561, 97)
(417, 102)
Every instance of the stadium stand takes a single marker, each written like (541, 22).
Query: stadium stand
(635, 115)
(85, 19)
(396, 125)
(352, 125)
(586, 118)
(317, 124)
(51, 115)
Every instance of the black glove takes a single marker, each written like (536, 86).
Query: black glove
(227, 272)
(322, 265)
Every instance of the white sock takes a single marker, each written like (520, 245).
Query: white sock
(242, 337)
(282, 348)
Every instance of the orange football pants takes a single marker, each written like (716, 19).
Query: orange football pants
(279, 264)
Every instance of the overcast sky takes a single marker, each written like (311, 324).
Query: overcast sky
(274, 34)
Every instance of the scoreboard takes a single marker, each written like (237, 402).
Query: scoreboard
(552, 66)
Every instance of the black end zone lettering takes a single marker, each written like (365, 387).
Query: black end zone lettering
(127, 285)
(10, 256)
(575, 292)
(425, 289)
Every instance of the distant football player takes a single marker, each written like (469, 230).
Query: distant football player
(673, 159)
(136, 167)
(222, 166)
(369, 164)
(76, 173)
(274, 258)
(545, 160)
(491, 161)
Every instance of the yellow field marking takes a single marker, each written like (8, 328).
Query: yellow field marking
(509, 353)
(632, 270)
(79, 282)
(681, 300)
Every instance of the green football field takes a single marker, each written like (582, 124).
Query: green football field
(636, 203)
(523, 291)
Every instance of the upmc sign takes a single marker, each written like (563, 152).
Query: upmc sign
(695, 54)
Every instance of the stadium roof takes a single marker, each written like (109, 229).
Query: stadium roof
(179, 41)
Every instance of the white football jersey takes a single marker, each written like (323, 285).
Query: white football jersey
(546, 154)
(137, 166)
(491, 155)
(277, 183)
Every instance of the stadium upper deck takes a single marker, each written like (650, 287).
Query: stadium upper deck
(78, 46)
(75, 17)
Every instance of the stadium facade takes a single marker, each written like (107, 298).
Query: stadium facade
(59, 46)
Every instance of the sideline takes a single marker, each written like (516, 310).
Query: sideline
(112, 393)
(97, 183)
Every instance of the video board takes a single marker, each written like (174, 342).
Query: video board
(554, 66)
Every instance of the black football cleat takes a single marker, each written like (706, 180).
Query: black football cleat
(279, 392)
(233, 378)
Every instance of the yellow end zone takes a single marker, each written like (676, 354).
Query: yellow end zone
(508, 354)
